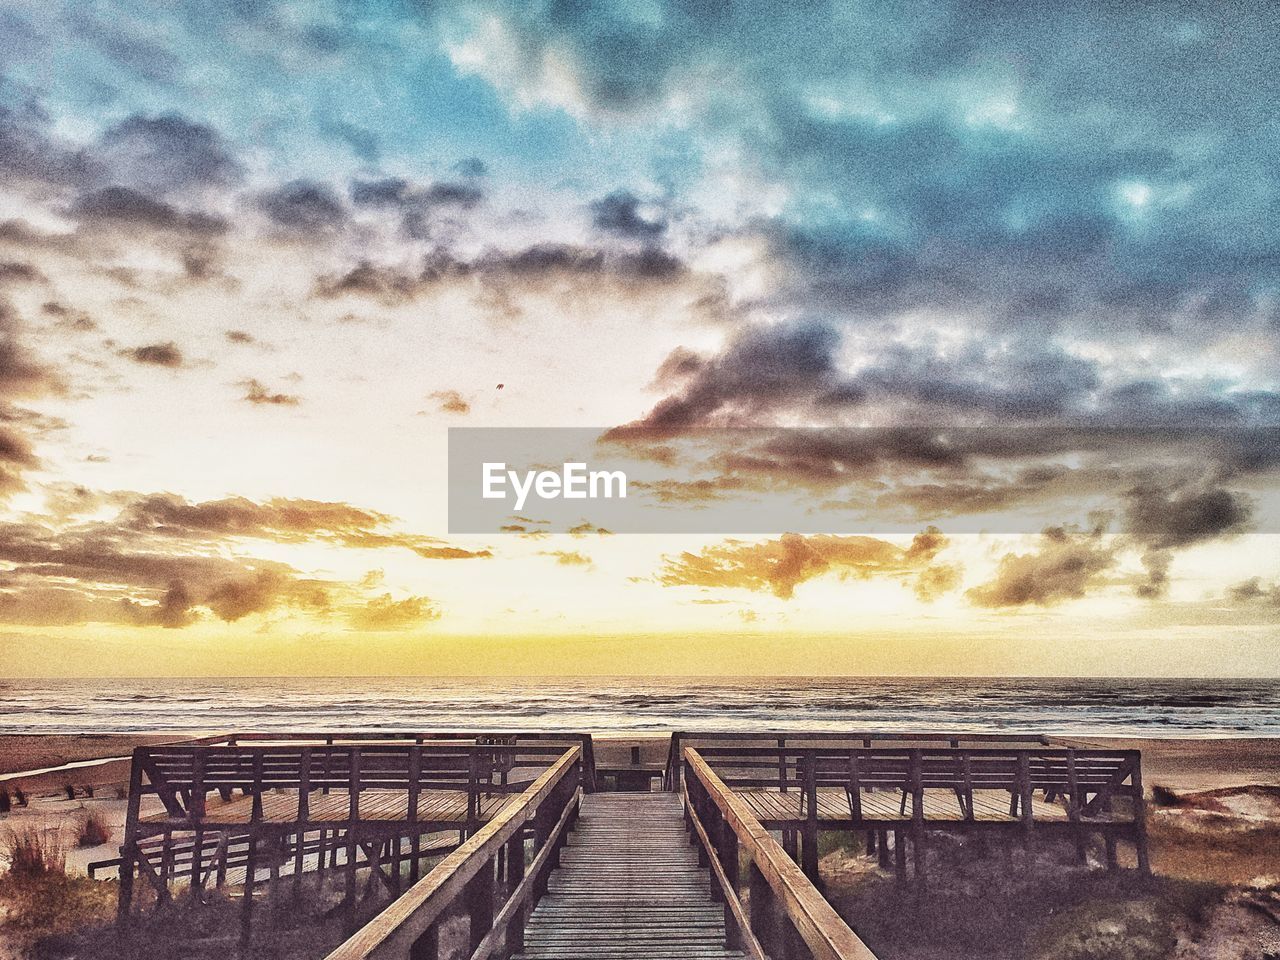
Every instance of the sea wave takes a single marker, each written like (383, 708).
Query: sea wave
(1151, 707)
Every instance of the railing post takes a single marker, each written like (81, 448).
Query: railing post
(1073, 807)
(515, 874)
(1140, 818)
(921, 855)
(727, 851)
(427, 946)
(478, 897)
(415, 789)
(1025, 801)
(810, 846)
(766, 918)
(129, 848)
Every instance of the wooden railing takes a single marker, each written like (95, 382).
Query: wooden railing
(1083, 784)
(414, 737)
(408, 929)
(867, 738)
(788, 918)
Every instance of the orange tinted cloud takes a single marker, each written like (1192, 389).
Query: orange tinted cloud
(384, 613)
(779, 566)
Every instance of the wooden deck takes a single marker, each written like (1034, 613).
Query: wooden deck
(514, 837)
(629, 886)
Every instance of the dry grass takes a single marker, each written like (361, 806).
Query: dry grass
(980, 905)
(94, 830)
(53, 903)
(34, 849)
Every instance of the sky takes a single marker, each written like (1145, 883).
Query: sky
(257, 258)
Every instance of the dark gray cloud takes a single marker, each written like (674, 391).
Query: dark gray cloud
(167, 153)
(421, 208)
(305, 207)
(1164, 517)
(1067, 564)
(132, 209)
(619, 213)
(400, 193)
(766, 373)
(496, 269)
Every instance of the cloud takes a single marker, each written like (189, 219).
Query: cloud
(305, 207)
(619, 213)
(167, 153)
(240, 337)
(529, 267)
(364, 143)
(771, 373)
(421, 208)
(161, 560)
(586, 529)
(451, 401)
(15, 272)
(156, 355)
(569, 558)
(130, 579)
(129, 208)
(1067, 563)
(22, 376)
(1163, 517)
(1254, 591)
(257, 394)
(282, 520)
(779, 566)
(67, 317)
(384, 613)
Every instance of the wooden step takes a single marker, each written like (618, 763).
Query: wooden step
(628, 888)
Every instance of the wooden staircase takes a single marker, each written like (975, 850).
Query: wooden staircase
(628, 888)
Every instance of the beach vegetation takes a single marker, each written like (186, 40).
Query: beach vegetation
(33, 849)
(93, 830)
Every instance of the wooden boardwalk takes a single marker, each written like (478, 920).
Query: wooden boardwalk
(515, 837)
(628, 886)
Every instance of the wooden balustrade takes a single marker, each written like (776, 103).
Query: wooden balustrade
(408, 929)
(868, 738)
(1076, 793)
(788, 918)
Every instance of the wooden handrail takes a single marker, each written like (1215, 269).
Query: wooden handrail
(827, 936)
(671, 779)
(393, 932)
(729, 889)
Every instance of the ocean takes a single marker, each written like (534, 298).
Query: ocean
(1077, 706)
